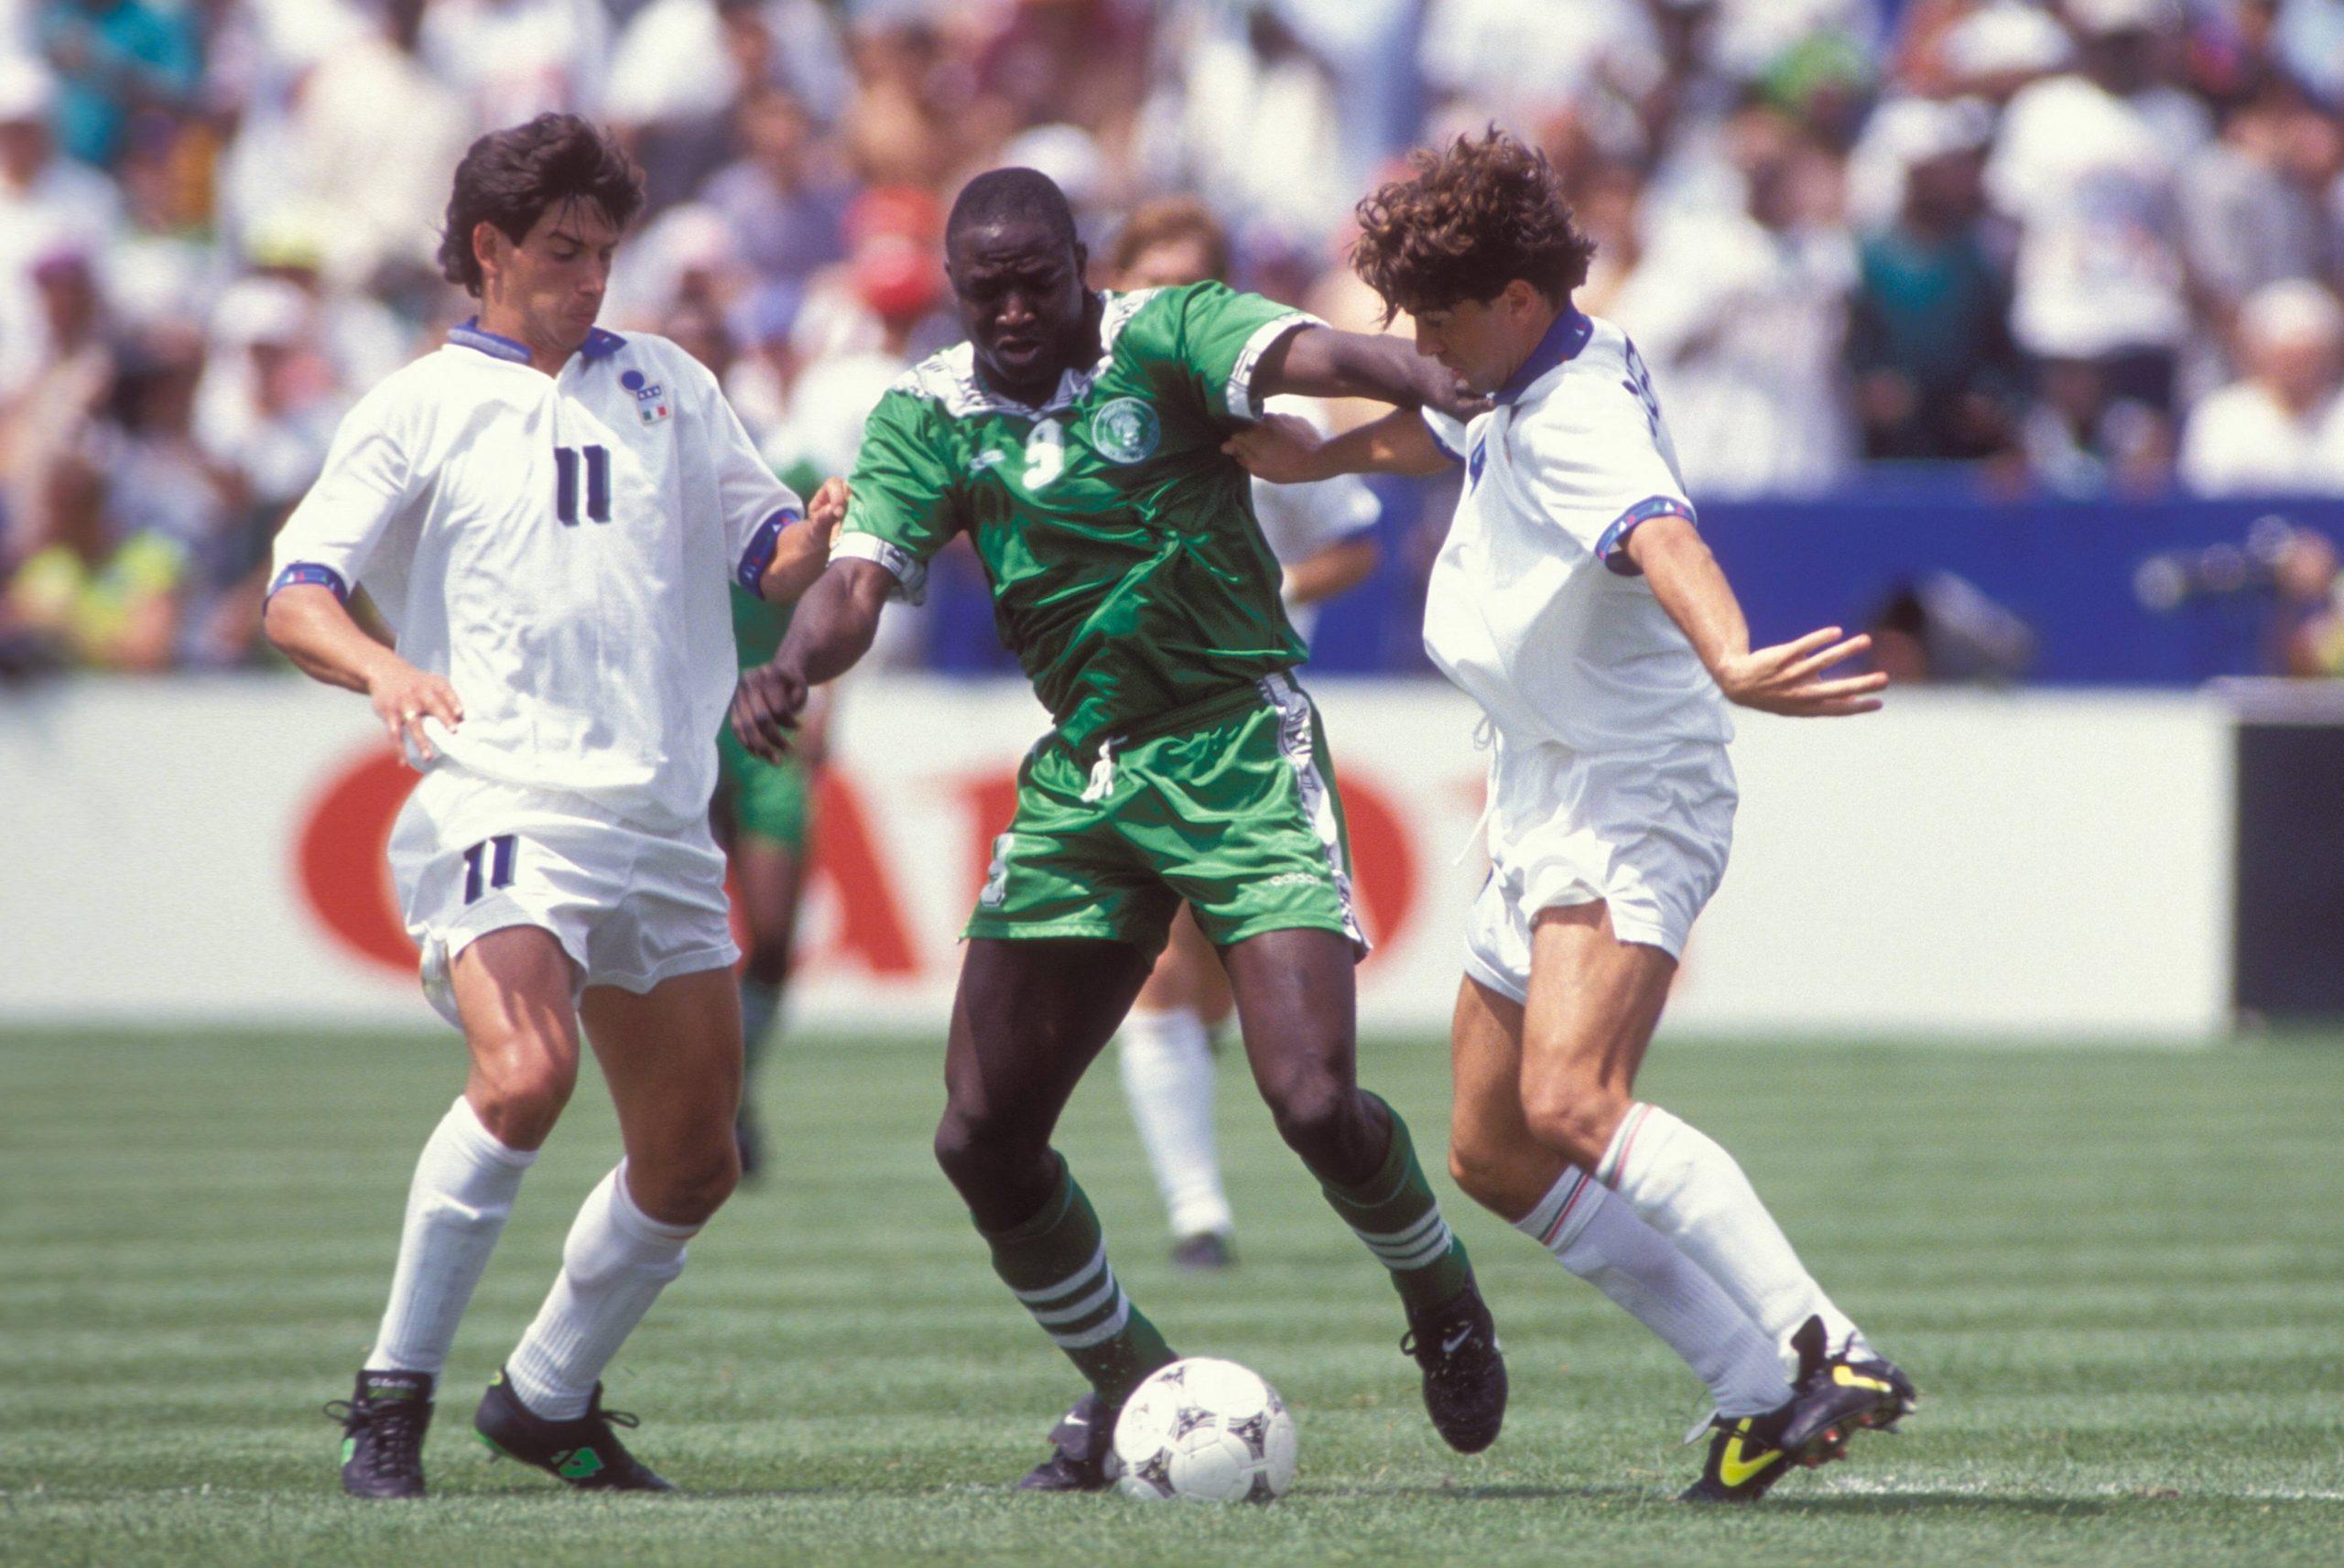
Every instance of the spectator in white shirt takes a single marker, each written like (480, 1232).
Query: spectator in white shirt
(2279, 429)
(1744, 319)
(2085, 163)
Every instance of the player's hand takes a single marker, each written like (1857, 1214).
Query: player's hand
(1787, 677)
(1445, 392)
(1280, 448)
(404, 696)
(765, 710)
(827, 511)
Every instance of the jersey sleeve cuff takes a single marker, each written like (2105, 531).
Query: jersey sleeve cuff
(758, 557)
(311, 572)
(1440, 437)
(1611, 549)
(910, 572)
(1238, 396)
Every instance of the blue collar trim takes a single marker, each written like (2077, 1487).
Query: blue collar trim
(1563, 341)
(471, 334)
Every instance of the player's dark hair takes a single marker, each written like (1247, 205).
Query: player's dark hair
(1169, 220)
(1011, 196)
(509, 178)
(1476, 215)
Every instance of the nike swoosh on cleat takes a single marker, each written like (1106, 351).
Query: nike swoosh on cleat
(1734, 1470)
(1076, 1421)
(1448, 1346)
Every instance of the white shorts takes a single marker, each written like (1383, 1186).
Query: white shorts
(1645, 832)
(630, 905)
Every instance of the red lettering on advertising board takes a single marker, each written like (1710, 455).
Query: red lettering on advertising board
(872, 932)
(339, 862)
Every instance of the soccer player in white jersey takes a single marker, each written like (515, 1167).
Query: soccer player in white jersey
(547, 515)
(1324, 537)
(1575, 599)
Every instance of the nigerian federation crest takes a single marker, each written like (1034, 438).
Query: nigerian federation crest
(1126, 430)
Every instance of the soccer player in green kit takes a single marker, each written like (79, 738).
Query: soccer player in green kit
(763, 817)
(1077, 438)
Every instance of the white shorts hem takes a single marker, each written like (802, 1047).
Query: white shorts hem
(1482, 971)
(693, 963)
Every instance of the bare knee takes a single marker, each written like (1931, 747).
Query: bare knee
(1002, 1170)
(1575, 1119)
(1324, 1119)
(1505, 1180)
(980, 1151)
(518, 1093)
(687, 1188)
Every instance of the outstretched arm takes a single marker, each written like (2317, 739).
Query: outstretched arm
(1284, 449)
(1786, 679)
(832, 629)
(1319, 361)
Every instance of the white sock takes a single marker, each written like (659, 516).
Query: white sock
(1691, 1190)
(1602, 1242)
(1169, 1078)
(615, 1263)
(456, 1207)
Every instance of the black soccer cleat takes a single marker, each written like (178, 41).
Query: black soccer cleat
(1082, 1451)
(1456, 1345)
(583, 1452)
(1746, 1456)
(1883, 1394)
(383, 1423)
(1827, 1404)
(1206, 1249)
(1826, 1409)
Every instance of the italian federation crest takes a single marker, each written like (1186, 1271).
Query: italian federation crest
(1126, 430)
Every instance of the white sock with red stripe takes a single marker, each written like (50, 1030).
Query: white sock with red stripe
(1166, 1058)
(1691, 1190)
(1602, 1242)
(456, 1207)
(615, 1263)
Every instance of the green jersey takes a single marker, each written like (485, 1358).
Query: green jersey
(1128, 573)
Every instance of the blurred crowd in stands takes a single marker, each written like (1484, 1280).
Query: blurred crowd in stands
(2088, 248)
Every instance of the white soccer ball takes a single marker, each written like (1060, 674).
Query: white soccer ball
(1205, 1431)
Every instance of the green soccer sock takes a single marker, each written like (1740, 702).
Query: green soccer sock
(1394, 1213)
(1056, 1263)
(760, 1011)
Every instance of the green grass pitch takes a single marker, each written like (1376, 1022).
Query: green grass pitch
(2118, 1276)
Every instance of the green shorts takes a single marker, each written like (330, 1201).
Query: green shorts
(763, 800)
(1230, 805)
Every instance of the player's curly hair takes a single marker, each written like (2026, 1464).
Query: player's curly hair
(1476, 215)
(509, 178)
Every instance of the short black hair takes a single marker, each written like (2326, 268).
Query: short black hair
(1009, 196)
(509, 178)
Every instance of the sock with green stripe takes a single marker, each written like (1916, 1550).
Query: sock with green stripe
(1056, 1264)
(1394, 1213)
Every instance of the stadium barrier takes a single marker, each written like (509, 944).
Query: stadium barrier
(2037, 863)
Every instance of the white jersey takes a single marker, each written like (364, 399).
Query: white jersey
(1300, 519)
(1535, 609)
(559, 547)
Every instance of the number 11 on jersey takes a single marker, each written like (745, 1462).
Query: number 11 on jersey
(598, 484)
